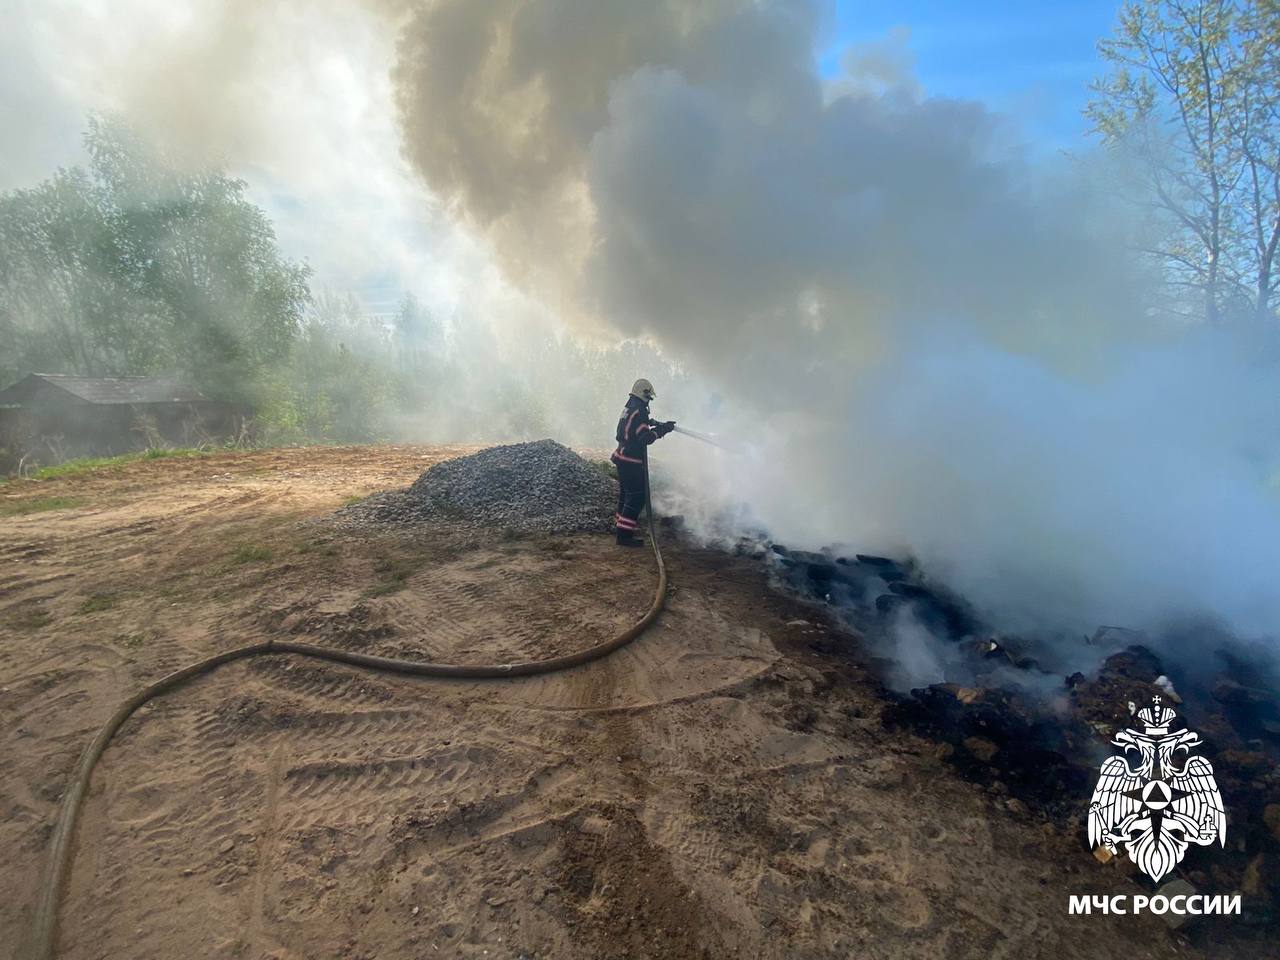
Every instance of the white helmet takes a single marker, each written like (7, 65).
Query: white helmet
(643, 389)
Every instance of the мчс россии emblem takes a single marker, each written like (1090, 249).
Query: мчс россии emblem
(1156, 798)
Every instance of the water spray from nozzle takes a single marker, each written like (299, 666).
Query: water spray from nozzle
(705, 438)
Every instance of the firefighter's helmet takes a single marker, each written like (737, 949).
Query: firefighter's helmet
(644, 390)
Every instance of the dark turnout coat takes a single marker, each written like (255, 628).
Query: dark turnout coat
(635, 432)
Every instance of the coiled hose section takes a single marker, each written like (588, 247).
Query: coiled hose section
(45, 927)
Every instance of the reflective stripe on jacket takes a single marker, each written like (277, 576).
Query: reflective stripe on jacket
(635, 432)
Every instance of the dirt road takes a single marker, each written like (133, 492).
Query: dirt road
(715, 790)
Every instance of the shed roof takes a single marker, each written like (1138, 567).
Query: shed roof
(105, 390)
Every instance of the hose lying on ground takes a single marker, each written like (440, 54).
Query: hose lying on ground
(45, 927)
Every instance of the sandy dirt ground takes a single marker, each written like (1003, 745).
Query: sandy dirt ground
(715, 790)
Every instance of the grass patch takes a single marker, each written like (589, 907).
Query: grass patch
(175, 589)
(75, 468)
(324, 548)
(32, 618)
(19, 508)
(393, 574)
(351, 500)
(98, 602)
(250, 553)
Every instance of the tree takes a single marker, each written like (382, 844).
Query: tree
(61, 303)
(335, 385)
(1259, 133)
(418, 347)
(418, 334)
(137, 265)
(1192, 93)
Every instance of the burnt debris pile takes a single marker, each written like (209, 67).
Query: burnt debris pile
(1011, 717)
(887, 586)
(872, 594)
(536, 487)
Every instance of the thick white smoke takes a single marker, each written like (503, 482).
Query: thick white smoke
(294, 96)
(923, 342)
(919, 340)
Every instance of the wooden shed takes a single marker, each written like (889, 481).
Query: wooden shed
(49, 417)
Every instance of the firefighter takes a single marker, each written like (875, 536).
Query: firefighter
(636, 430)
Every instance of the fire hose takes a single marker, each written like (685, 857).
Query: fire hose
(45, 927)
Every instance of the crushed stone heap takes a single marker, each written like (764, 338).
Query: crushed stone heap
(534, 487)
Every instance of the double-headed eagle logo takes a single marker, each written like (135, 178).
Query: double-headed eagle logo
(1156, 798)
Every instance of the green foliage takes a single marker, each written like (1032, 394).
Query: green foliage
(19, 508)
(393, 574)
(98, 602)
(138, 266)
(352, 377)
(29, 618)
(250, 553)
(1193, 94)
(83, 465)
(334, 384)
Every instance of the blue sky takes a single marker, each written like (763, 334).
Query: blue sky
(1032, 60)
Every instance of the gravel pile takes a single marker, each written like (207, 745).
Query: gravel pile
(531, 487)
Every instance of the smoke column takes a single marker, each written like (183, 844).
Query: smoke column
(928, 342)
(914, 338)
